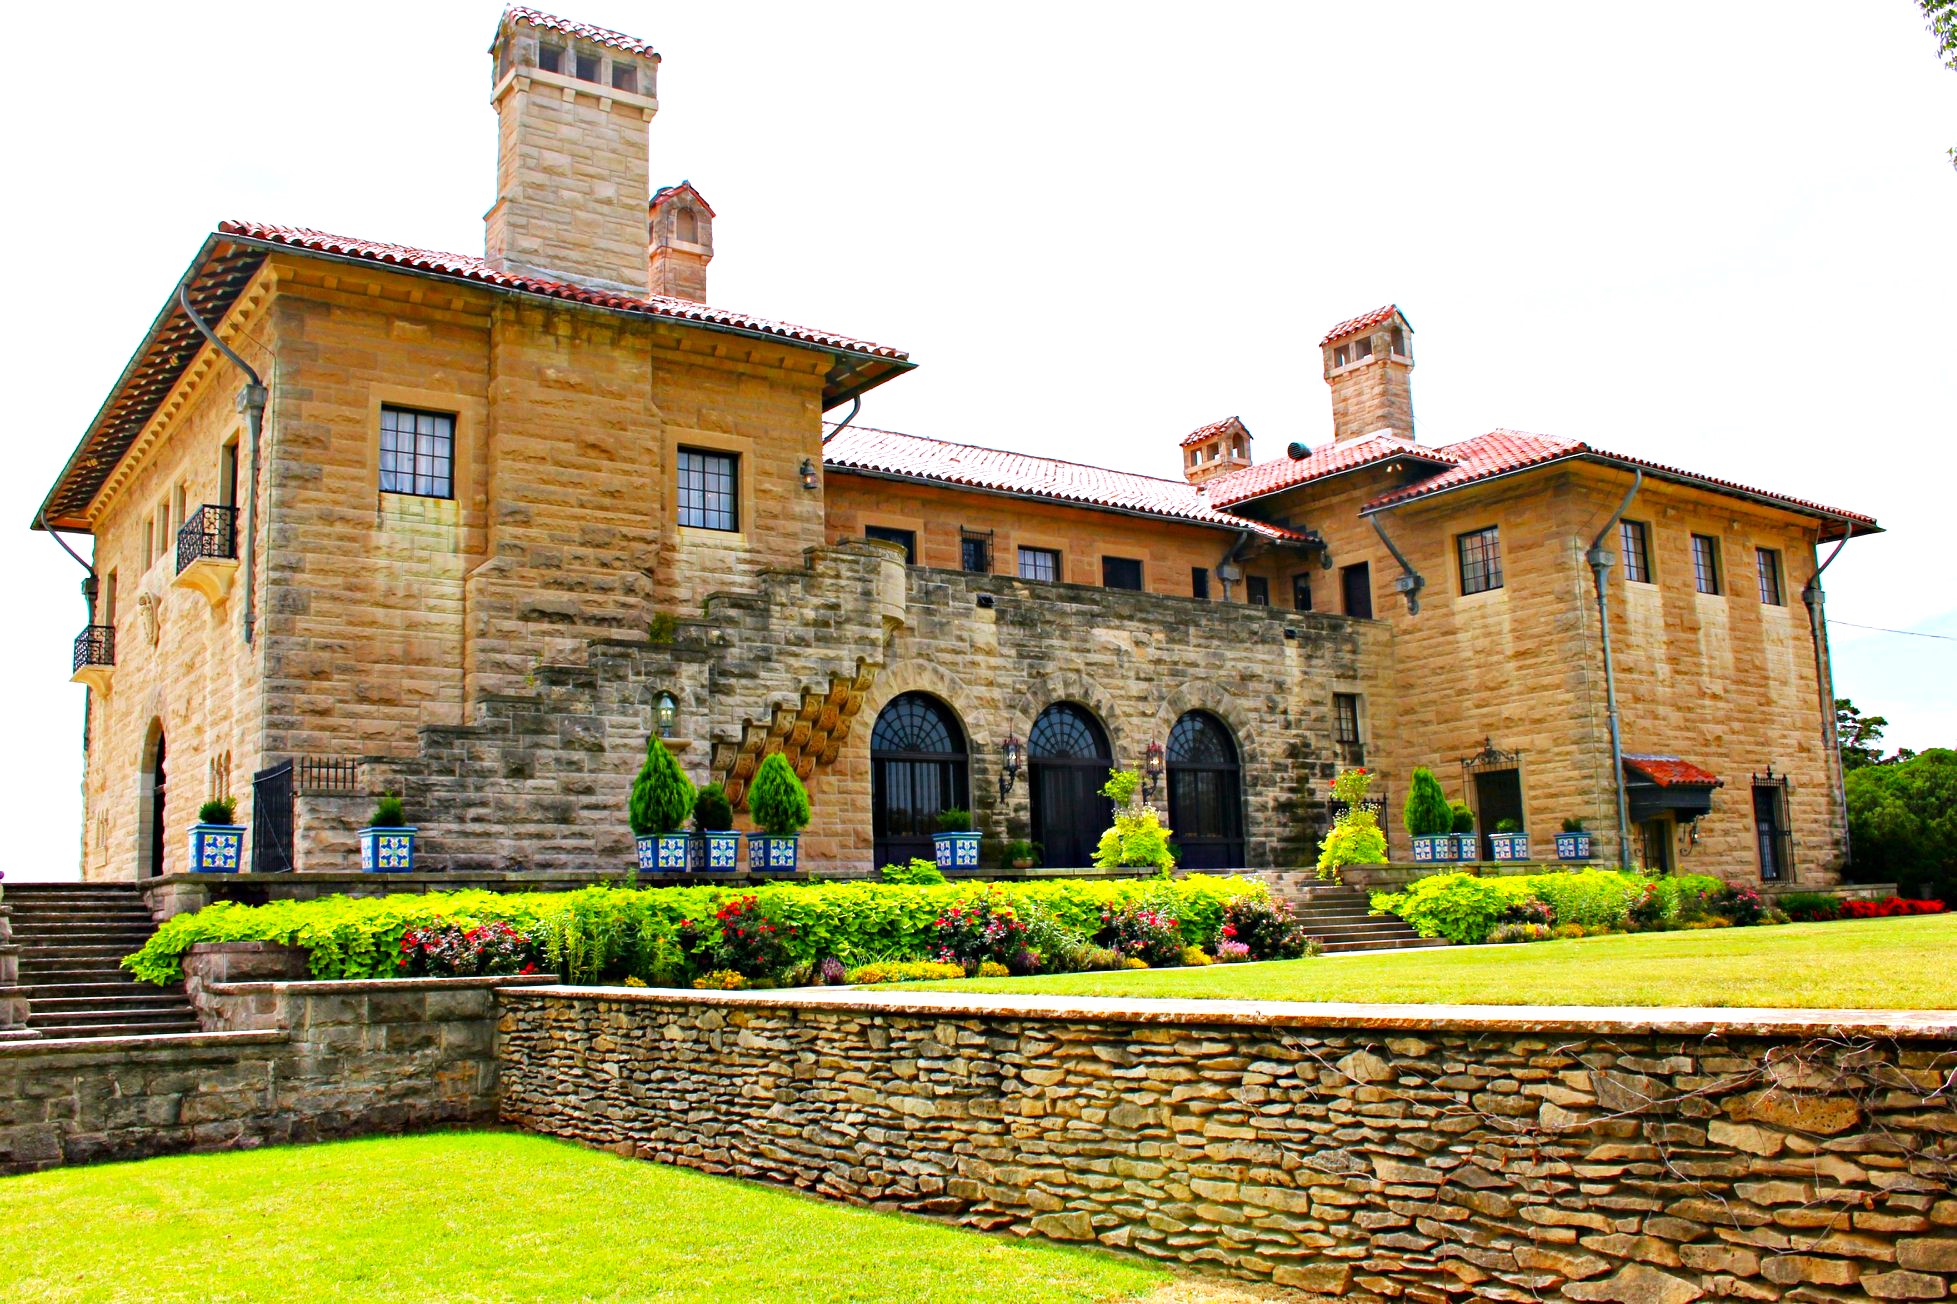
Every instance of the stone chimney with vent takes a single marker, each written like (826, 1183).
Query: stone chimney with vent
(1369, 365)
(679, 242)
(573, 104)
(1210, 450)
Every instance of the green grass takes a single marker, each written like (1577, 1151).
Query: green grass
(495, 1216)
(1891, 964)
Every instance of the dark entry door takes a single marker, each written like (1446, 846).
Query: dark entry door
(1069, 759)
(271, 819)
(157, 839)
(918, 767)
(1498, 797)
(1205, 793)
(1770, 831)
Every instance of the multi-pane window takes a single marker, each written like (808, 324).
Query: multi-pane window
(1767, 562)
(709, 490)
(1705, 563)
(1121, 573)
(417, 453)
(1345, 726)
(1039, 563)
(1481, 560)
(1301, 591)
(1199, 582)
(905, 539)
(1636, 539)
(975, 551)
(1257, 591)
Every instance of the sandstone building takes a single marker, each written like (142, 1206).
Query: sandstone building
(472, 528)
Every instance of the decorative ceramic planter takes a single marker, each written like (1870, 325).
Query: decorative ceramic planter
(217, 848)
(1436, 850)
(1574, 846)
(956, 850)
(664, 853)
(1467, 847)
(771, 853)
(713, 853)
(387, 851)
(1509, 846)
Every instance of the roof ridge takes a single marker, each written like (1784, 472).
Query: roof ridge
(1013, 452)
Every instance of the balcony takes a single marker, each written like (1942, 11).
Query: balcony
(95, 657)
(207, 552)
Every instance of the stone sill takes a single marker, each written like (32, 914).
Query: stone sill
(1910, 1025)
(365, 986)
(120, 1047)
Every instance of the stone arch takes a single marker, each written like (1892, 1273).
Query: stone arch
(1213, 697)
(1073, 686)
(151, 835)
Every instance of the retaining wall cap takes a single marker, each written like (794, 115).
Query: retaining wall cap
(123, 1047)
(356, 986)
(1926, 1025)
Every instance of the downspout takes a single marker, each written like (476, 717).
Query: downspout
(855, 406)
(1223, 566)
(1410, 583)
(251, 402)
(1824, 679)
(1601, 560)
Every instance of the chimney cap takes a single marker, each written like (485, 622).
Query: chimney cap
(516, 14)
(1229, 425)
(668, 194)
(1365, 321)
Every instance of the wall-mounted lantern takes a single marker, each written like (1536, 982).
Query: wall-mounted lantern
(1151, 771)
(809, 480)
(1010, 753)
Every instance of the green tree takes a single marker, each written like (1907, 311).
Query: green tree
(1902, 822)
(1426, 814)
(1942, 18)
(1859, 736)
(776, 798)
(662, 795)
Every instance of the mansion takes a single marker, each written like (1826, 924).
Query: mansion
(472, 529)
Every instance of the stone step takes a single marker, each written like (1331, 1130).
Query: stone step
(111, 952)
(64, 991)
(114, 1014)
(1388, 944)
(142, 1028)
(63, 971)
(138, 1001)
(87, 928)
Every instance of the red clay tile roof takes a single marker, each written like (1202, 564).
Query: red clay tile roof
(1327, 460)
(1354, 325)
(689, 188)
(1214, 428)
(599, 35)
(1671, 772)
(913, 457)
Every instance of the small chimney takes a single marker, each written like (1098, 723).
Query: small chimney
(1369, 365)
(1215, 448)
(679, 242)
(573, 104)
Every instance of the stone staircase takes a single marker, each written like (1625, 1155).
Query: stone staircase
(1340, 917)
(72, 937)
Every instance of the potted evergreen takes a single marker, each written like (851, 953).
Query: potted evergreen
(217, 845)
(662, 799)
(387, 844)
(957, 847)
(1573, 843)
(715, 847)
(1467, 846)
(1429, 820)
(1508, 842)
(780, 805)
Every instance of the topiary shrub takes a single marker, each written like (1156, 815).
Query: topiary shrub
(662, 795)
(218, 810)
(955, 820)
(1426, 814)
(388, 813)
(1464, 816)
(712, 812)
(777, 799)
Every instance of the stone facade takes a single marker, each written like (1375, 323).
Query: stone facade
(1644, 1157)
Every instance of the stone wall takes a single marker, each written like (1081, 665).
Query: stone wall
(1645, 1157)
(279, 1062)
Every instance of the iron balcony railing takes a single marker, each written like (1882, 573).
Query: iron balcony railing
(95, 646)
(207, 533)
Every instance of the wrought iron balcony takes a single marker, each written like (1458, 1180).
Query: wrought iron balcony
(95, 657)
(207, 551)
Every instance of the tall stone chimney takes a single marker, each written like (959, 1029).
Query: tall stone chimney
(1369, 365)
(679, 242)
(573, 103)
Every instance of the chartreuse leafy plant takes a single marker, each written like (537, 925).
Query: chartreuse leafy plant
(1465, 908)
(1355, 838)
(662, 795)
(1426, 814)
(1138, 838)
(777, 799)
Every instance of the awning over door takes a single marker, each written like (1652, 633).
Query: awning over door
(1667, 785)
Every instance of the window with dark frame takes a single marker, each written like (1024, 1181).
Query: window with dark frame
(1301, 591)
(1121, 573)
(1345, 728)
(587, 67)
(709, 490)
(550, 58)
(975, 551)
(1257, 591)
(906, 539)
(1767, 562)
(1635, 537)
(1705, 563)
(1480, 552)
(1039, 564)
(1770, 831)
(417, 453)
(1199, 582)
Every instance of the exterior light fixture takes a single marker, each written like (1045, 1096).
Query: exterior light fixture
(809, 480)
(1010, 753)
(1151, 771)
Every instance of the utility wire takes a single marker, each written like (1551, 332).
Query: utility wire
(1913, 633)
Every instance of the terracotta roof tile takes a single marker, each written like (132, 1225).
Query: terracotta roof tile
(1353, 325)
(886, 452)
(1214, 428)
(1671, 772)
(598, 35)
(1327, 460)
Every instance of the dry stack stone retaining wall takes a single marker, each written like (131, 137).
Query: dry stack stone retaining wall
(1654, 1157)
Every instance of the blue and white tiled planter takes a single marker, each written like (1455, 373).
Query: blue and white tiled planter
(664, 853)
(1574, 846)
(956, 850)
(387, 851)
(1509, 846)
(713, 853)
(217, 848)
(1467, 847)
(771, 853)
(1436, 850)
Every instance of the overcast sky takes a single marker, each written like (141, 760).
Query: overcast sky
(1715, 235)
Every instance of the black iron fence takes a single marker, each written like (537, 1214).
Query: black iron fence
(327, 775)
(208, 532)
(95, 646)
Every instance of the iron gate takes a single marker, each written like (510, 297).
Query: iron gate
(271, 820)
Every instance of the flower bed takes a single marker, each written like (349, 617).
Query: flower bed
(1467, 909)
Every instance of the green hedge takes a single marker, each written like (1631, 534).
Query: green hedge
(1464, 908)
(607, 932)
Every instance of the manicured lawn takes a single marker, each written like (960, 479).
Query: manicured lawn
(496, 1216)
(1896, 964)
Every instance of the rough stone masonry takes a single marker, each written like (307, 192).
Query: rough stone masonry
(1644, 1157)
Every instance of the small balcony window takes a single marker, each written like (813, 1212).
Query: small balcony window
(975, 551)
(1301, 591)
(1199, 582)
(1257, 590)
(905, 539)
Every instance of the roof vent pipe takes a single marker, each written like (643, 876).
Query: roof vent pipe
(251, 402)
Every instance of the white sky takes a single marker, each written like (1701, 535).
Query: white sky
(1715, 235)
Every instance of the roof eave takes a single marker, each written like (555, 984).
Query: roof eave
(1375, 464)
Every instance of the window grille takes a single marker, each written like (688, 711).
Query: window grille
(1705, 563)
(417, 453)
(1481, 560)
(709, 490)
(1039, 564)
(1636, 538)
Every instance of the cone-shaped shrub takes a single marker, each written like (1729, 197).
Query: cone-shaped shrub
(1427, 814)
(1464, 818)
(712, 812)
(662, 795)
(776, 798)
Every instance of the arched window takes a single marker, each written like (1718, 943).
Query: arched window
(1205, 793)
(918, 767)
(666, 715)
(1068, 761)
(152, 835)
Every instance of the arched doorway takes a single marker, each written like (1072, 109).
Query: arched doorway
(1069, 758)
(1206, 807)
(918, 767)
(151, 827)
